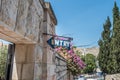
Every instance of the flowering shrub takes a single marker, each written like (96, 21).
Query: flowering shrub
(74, 63)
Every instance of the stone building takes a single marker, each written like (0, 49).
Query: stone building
(24, 22)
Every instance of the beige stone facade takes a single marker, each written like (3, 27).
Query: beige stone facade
(112, 77)
(23, 23)
(61, 68)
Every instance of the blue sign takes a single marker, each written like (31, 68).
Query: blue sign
(59, 41)
(51, 42)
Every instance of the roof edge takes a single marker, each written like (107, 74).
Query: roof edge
(51, 12)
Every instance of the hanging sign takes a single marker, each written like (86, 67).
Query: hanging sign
(59, 42)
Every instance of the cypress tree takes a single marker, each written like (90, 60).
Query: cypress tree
(104, 44)
(115, 13)
(115, 43)
(101, 54)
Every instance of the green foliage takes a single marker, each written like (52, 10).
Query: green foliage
(3, 58)
(106, 59)
(109, 52)
(115, 13)
(90, 63)
(115, 43)
(72, 56)
(73, 68)
(89, 60)
(71, 65)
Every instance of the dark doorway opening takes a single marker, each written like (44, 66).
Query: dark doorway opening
(6, 59)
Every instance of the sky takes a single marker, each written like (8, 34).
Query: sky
(82, 19)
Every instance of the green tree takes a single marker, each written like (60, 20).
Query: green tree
(107, 60)
(3, 58)
(115, 13)
(90, 63)
(115, 43)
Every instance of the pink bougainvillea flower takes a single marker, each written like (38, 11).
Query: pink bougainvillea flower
(59, 48)
(56, 49)
(73, 60)
(70, 51)
(78, 59)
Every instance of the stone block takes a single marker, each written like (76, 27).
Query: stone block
(0, 9)
(39, 8)
(52, 77)
(62, 62)
(44, 71)
(4, 37)
(51, 69)
(0, 5)
(9, 12)
(16, 74)
(33, 23)
(30, 53)
(41, 41)
(49, 57)
(20, 53)
(48, 20)
(38, 54)
(28, 71)
(12, 36)
(38, 71)
(21, 17)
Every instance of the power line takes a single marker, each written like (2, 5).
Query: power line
(86, 44)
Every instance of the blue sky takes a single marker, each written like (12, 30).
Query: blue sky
(82, 19)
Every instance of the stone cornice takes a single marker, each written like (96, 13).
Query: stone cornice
(51, 12)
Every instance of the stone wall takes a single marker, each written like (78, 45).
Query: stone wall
(23, 22)
(61, 69)
(23, 65)
(113, 77)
